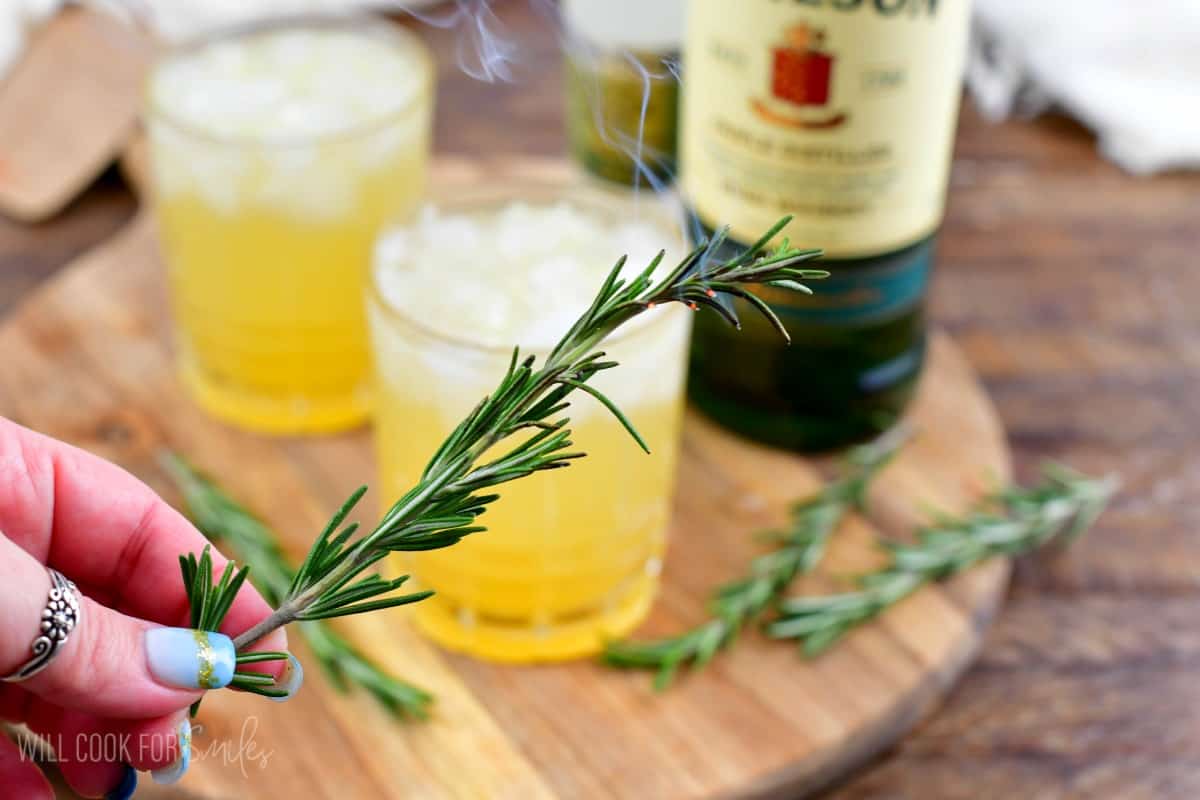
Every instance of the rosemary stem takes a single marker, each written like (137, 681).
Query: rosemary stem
(292, 607)
(281, 616)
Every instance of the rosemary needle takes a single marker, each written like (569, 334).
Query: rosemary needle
(798, 550)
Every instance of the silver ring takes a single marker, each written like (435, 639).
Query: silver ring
(62, 613)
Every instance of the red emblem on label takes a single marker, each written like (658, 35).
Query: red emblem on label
(802, 73)
(801, 69)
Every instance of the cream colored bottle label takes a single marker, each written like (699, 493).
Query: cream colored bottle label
(839, 112)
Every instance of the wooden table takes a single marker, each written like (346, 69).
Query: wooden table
(1075, 291)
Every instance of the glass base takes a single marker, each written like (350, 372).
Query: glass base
(275, 414)
(524, 641)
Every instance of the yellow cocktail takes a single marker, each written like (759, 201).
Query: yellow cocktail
(570, 557)
(279, 152)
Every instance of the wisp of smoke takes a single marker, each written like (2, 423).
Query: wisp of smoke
(653, 168)
(486, 52)
(484, 49)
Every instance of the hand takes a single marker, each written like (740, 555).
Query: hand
(121, 677)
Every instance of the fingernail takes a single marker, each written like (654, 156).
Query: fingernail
(176, 770)
(190, 659)
(290, 681)
(125, 789)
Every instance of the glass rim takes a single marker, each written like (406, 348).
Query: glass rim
(495, 193)
(368, 23)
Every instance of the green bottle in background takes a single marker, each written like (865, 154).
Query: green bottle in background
(841, 113)
(622, 92)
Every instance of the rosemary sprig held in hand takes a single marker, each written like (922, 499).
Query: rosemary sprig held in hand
(1061, 507)
(451, 494)
(222, 519)
(798, 550)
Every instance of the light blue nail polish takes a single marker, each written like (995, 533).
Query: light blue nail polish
(291, 679)
(190, 659)
(125, 789)
(175, 771)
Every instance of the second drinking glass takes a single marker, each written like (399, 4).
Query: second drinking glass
(278, 151)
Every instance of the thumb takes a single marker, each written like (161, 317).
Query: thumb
(111, 665)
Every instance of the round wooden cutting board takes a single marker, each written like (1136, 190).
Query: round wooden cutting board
(88, 359)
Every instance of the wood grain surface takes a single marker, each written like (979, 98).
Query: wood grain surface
(759, 723)
(1072, 289)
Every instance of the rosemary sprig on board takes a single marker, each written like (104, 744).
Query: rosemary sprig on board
(222, 519)
(527, 407)
(1059, 508)
(798, 550)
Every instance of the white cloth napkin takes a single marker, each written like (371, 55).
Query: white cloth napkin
(1129, 71)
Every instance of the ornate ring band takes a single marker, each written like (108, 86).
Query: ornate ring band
(61, 615)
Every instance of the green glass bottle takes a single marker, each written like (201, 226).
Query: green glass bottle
(841, 113)
(622, 90)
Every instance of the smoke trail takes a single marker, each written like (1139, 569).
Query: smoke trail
(652, 167)
(483, 37)
(486, 51)
(484, 48)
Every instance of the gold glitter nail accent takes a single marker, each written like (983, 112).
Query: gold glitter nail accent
(204, 654)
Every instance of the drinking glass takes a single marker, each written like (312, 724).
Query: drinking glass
(570, 557)
(279, 150)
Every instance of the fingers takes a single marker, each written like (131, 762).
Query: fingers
(111, 665)
(102, 527)
(19, 776)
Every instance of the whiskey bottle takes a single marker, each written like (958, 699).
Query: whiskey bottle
(841, 113)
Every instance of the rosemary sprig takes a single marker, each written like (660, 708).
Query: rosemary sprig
(451, 494)
(222, 519)
(1059, 508)
(797, 552)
